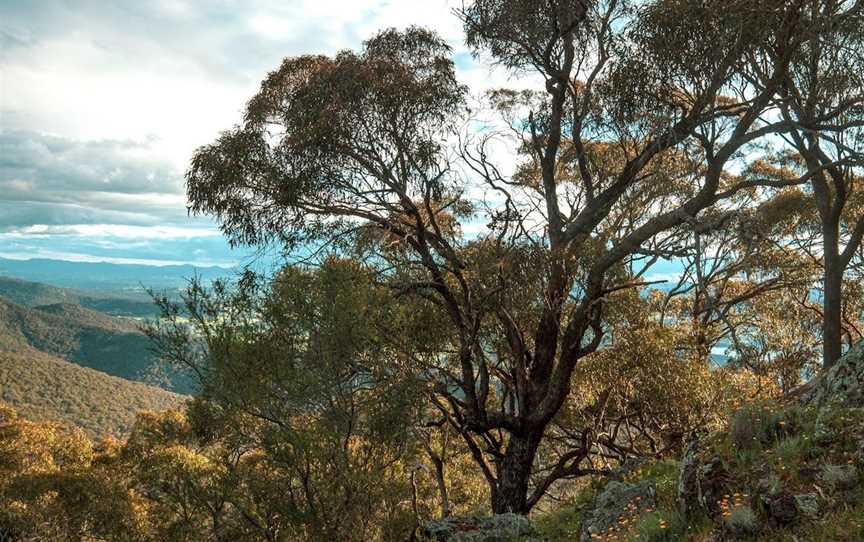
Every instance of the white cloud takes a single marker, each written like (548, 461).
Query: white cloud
(102, 104)
(119, 231)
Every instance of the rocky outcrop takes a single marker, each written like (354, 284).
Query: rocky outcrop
(842, 384)
(617, 500)
(498, 528)
(808, 505)
(701, 486)
(748, 491)
(841, 477)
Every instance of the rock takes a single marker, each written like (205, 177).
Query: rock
(498, 528)
(701, 486)
(823, 433)
(688, 482)
(742, 523)
(842, 384)
(840, 388)
(617, 500)
(781, 508)
(841, 477)
(809, 505)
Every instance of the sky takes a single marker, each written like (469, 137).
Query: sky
(102, 103)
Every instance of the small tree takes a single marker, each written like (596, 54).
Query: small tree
(304, 419)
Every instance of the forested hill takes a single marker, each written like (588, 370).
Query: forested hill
(85, 337)
(119, 303)
(43, 387)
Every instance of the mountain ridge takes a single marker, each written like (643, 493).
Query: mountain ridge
(105, 275)
(115, 303)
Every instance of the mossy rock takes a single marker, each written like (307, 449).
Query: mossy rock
(618, 501)
(497, 528)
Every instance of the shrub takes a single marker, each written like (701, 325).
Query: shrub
(755, 425)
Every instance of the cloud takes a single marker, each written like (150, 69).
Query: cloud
(103, 103)
(15, 215)
(53, 180)
(179, 69)
(32, 161)
(116, 231)
(156, 246)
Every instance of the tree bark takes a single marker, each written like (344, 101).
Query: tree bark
(832, 302)
(514, 472)
(441, 481)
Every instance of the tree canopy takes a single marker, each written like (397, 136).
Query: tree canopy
(652, 122)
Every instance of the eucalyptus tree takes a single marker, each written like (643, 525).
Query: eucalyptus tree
(639, 113)
(821, 98)
(303, 413)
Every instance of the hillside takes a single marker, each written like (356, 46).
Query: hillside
(118, 303)
(42, 387)
(784, 470)
(88, 338)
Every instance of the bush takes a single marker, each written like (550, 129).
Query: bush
(755, 425)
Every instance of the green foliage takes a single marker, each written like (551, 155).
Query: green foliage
(664, 473)
(53, 487)
(564, 522)
(42, 387)
(660, 526)
(793, 452)
(399, 95)
(115, 346)
(170, 482)
(299, 383)
(845, 525)
(755, 425)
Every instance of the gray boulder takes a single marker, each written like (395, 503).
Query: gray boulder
(842, 384)
(808, 505)
(615, 501)
(498, 528)
(841, 477)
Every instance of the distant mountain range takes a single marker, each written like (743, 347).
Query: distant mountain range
(66, 355)
(70, 349)
(107, 276)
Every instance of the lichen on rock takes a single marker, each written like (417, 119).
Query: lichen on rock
(615, 501)
(476, 528)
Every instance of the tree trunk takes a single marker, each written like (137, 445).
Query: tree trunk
(832, 292)
(442, 485)
(514, 472)
(832, 309)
